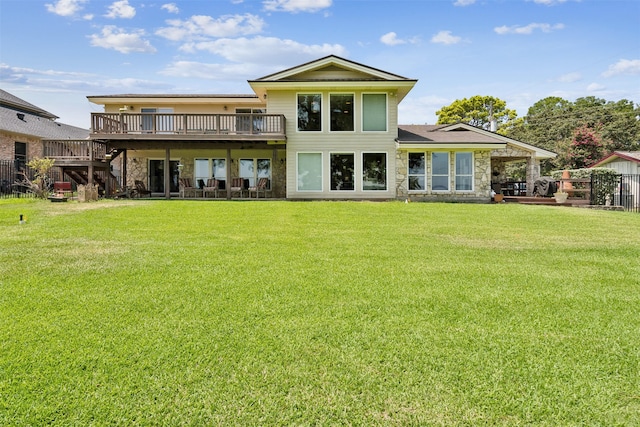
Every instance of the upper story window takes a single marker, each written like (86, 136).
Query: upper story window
(374, 112)
(310, 112)
(341, 106)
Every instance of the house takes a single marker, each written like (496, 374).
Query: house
(627, 165)
(24, 130)
(326, 129)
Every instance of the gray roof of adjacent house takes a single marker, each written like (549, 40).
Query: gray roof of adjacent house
(436, 134)
(21, 117)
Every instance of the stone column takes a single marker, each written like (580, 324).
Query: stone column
(533, 173)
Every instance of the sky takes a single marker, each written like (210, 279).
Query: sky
(55, 53)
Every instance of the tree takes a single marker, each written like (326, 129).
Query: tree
(41, 183)
(585, 148)
(477, 111)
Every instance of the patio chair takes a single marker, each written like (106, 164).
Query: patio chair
(186, 187)
(237, 186)
(141, 190)
(260, 186)
(212, 186)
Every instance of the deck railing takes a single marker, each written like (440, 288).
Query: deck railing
(74, 149)
(187, 124)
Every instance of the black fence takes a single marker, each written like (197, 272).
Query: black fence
(617, 190)
(11, 174)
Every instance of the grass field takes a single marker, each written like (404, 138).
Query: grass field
(198, 313)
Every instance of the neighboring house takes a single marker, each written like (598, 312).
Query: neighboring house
(627, 164)
(24, 129)
(327, 129)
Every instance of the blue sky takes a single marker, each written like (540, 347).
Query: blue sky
(53, 53)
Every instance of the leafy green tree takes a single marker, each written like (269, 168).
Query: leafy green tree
(41, 183)
(585, 148)
(477, 111)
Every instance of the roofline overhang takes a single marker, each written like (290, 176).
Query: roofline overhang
(540, 153)
(401, 87)
(451, 145)
(611, 157)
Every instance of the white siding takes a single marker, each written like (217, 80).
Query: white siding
(327, 142)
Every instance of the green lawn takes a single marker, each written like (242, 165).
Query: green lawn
(318, 313)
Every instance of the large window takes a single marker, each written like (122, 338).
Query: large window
(210, 168)
(252, 169)
(374, 171)
(374, 112)
(417, 172)
(342, 168)
(341, 112)
(309, 112)
(440, 171)
(464, 171)
(201, 172)
(309, 172)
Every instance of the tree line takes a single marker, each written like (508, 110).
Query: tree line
(580, 132)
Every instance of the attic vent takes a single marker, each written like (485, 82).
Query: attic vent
(20, 116)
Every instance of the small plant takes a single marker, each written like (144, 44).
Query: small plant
(40, 185)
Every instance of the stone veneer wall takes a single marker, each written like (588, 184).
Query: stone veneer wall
(482, 180)
(509, 153)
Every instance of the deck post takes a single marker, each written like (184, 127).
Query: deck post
(228, 165)
(167, 174)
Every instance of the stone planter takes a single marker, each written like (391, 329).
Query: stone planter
(560, 197)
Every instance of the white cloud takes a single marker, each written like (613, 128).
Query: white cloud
(170, 7)
(117, 39)
(464, 2)
(264, 50)
(549, 2)
(65, 7)
(121, 9)
(445, 37)
(528, 29)
(570, 78)
(391, 39)
(623, 66)
(295, 6)
(200, 26)
(595, 87)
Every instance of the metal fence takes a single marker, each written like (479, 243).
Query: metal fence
(11, 174)
(617, 190)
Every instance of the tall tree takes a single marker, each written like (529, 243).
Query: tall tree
(477, 111)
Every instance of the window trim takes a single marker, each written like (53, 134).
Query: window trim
(355, 172)
(432, 174)
(321, 171)
(425, 175)
(386, 99)
(471, 175)
(322, 113)
(386, 171)
(353, 115)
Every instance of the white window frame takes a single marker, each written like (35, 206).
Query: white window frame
(386, 171)
(353, 95)
(322, 111)
(321, 172)
(424, 175)
(448, 175)
(470, 175)
(355, 171)
(386, 98)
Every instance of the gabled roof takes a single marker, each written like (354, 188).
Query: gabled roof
(632, 156)
(20, 117)
(11, 101)
(461, 135)
(336, 73)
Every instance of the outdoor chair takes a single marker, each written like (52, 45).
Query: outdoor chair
(261, 186)
(141, 190)
(212, 186)
(237, 186)
(186, 187)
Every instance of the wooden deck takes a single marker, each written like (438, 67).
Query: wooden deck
(527, 200)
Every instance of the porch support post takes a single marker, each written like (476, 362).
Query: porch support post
(274, 164)
(90, 167)
(533, 173)
(228, 164)
(123, 184)
(167, 174)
